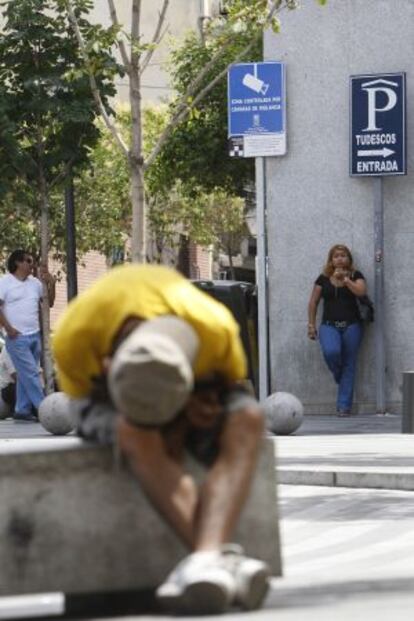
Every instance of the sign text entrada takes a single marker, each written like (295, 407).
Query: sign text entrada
(377, 128)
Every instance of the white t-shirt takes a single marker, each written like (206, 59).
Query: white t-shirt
(21, 302)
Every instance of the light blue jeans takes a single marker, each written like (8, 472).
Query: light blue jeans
(24, 351)
(340, 348)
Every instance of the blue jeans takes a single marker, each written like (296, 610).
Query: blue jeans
(340, 349)
(24, 351)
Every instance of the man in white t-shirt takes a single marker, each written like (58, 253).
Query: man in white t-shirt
(20, 296)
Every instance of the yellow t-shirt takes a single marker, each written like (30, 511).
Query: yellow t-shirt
(84, 334)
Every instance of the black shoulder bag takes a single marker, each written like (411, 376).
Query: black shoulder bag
(365, 308)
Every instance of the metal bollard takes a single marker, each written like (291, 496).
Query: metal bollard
(408, 402)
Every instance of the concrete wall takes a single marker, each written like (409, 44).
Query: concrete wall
(72, 522)
(313, 203)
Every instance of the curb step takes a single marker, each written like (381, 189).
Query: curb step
(356, 479)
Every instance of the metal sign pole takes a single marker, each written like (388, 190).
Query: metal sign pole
(379, 295)
(261, 278)
(378, 149)
(257, 128)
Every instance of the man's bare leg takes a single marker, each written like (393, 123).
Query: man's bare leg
(222, 498)
(227, 485)
(205, 518)
(171, 490)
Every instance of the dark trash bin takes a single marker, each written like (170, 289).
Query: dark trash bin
(241, 299)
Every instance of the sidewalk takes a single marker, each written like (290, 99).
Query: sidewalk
(360, 451)
(347, 553)
(365, 451)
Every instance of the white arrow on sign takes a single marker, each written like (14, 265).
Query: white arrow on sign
(375, 152)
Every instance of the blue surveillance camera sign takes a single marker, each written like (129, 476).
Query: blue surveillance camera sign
(256, 109)
(378, 125)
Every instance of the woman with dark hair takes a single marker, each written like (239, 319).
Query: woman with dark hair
(340, 332)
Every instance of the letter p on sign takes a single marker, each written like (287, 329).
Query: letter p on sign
(373, 89)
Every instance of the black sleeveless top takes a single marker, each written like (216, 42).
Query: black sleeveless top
(338, 302)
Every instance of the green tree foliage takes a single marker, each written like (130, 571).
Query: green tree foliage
(213, 218)
(245, 19)
(216, 218)
(103, 195)
(193, 177)
(191, 132)
(47, 118)
(182, 205)
(193, 185)
(197, 150)
(46, 110)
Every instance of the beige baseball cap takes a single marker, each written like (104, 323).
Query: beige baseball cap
(151, 374)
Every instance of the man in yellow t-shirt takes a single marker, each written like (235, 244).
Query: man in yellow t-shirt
(155, 364)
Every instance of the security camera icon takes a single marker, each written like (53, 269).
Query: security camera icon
(256, 85)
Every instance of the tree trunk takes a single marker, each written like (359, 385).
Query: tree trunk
(138, 246)
(136, 162)
(231, 266)
(45, 309)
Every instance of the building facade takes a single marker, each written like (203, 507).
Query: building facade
(313, 203)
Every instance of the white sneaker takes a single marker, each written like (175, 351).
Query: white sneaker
(200, 584)
(251, 576)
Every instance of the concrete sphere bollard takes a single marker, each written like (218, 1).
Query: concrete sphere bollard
(283, 413)
(5, 410)
(55, 414)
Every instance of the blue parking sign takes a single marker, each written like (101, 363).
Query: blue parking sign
(378, 125)
(257, 109)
